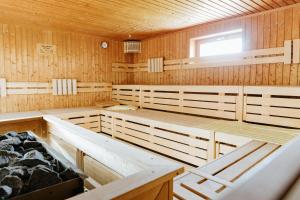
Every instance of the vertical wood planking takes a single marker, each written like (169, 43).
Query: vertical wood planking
(265, 30)
(78, 56)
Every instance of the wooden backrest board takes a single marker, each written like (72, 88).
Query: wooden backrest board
(272, 105)
(213, 101)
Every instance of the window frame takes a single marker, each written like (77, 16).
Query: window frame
(196, 42)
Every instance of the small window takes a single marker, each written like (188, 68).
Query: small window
(225, 43)
(221, 47)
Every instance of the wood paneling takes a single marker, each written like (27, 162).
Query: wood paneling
(118, 18)
(78, 57)
(265, 30)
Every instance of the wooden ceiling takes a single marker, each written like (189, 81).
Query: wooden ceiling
(119, 18)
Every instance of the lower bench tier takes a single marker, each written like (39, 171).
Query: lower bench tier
(193, 140)
(194, 146)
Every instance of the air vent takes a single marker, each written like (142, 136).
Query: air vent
(132, 46)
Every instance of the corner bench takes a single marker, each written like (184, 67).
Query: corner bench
(219, 176)
(197, 124)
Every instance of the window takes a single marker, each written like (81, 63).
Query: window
(224, 43)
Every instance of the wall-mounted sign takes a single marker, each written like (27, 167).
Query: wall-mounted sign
(46, 49)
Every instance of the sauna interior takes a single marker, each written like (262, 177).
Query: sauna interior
(149, 99)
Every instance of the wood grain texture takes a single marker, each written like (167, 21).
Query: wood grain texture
(78, 57)
(265, 30)
(118, 18)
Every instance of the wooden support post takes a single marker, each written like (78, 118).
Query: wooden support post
(74, 85)
(100, 123)
(54, 87)
(265, 105)
(240, 105)
(59, 87)
(80, 159)
(3, 91)
(287, 51)
(141, 97)
(170, 188)
(44, 129)
(113, 126)
(211, 150)
(69, 87)
(64, 87)
(296, 51)
(181, 100)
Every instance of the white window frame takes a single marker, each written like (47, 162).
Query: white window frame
(196, 42)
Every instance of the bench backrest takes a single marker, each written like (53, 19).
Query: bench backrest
(278, 106)
(213, 101)
(126, 94)
(272, 105)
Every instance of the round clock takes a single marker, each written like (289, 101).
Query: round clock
(104, 45)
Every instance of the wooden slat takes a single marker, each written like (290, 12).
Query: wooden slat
(199, 100)
(198, 12)
(273, 105)
(287, 52)
(296, 51)
(3, 90)
(213, 179)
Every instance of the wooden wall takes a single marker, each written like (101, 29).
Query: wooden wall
(78, 56)
(265, 30)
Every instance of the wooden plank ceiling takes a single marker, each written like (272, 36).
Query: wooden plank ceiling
(119, 18)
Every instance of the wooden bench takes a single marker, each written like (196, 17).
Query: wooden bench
(279, 106)
(194, 140)
(211, 180)
(213, 101)
(143, 173)
(200, 138)
(276, 177)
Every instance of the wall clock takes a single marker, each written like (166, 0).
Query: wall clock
(104, 45)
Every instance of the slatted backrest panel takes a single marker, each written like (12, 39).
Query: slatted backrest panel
(272, 105)
(28, 88)
(180, 142)
(213, 101)
(89, 120)
(126, 94)
(93, 87)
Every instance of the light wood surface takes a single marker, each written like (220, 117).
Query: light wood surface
(154, 184)
(114, 153)
(201, 125)
(78, 56)
(262, 183)
(219, 176)
(193, 140)
(214, 179)
(280, 55)
(213, 101)
(272, 105)
(265, 30)
(144, 172)
(120, 18)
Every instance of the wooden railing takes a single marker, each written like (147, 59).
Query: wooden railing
(55, 87)
(288, 54)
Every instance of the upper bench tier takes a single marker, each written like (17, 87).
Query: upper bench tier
(278, 106)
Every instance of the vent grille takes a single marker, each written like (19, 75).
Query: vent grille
(132, 46)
